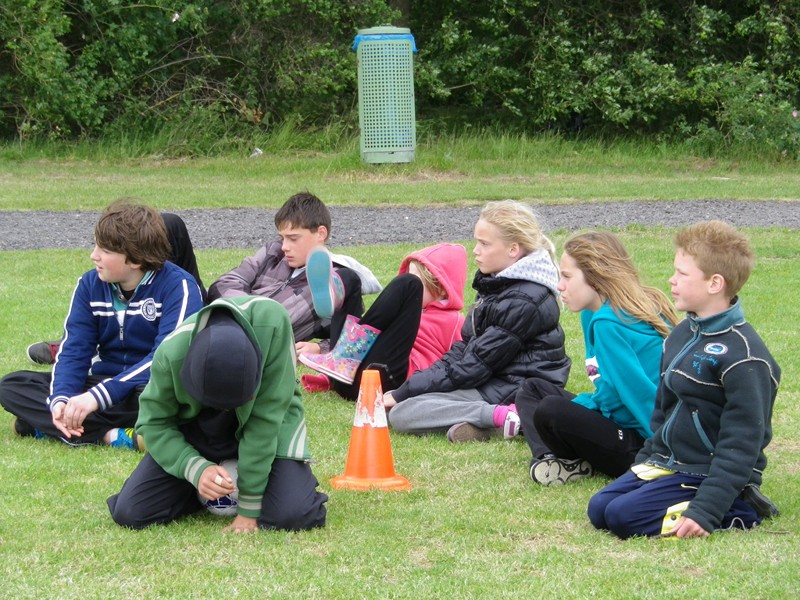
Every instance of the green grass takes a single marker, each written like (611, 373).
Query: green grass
(466, 169)
(474, 526)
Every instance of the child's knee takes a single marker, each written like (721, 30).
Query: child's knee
(618, 523)
(122, 513)
(295, 517)
(596, 511)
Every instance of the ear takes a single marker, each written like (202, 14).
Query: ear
(513, 250)
(133, 265)
(716, 284)
(322, 234)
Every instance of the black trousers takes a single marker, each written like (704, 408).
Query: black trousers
(396, 313)
(553, 423)
(24, 395)
(151, 496)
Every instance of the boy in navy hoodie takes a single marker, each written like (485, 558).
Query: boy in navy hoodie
(119, 313)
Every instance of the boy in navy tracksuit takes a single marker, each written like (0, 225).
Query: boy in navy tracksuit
(119, 313)
(702, 469)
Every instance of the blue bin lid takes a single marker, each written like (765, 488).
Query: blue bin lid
(375, 34)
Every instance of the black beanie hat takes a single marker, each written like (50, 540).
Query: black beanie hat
(222, 368)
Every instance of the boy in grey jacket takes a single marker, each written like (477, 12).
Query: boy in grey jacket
(278, 271)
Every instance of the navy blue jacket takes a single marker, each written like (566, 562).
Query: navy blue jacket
(714, 409)
(118, 346)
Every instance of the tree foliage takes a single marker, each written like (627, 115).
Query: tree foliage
(77, 67)
(714, 72)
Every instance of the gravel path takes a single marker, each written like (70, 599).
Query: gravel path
(352, 226)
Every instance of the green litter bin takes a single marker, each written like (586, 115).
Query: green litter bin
(386, 94)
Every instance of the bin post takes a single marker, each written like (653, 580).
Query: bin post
(386, 94)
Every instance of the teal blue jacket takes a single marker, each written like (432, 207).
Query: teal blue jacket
(622, 359)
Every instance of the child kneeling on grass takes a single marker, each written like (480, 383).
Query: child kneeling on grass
(223, 387)
(701, 470)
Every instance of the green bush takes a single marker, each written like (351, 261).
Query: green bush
(210, 75)
(216, 69)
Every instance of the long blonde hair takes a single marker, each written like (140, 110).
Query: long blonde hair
(608, 269)
(517, 223)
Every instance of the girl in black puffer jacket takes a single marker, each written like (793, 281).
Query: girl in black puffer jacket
(511, 334)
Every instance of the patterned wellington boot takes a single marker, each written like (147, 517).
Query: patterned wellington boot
(343, 361)
(327, 289)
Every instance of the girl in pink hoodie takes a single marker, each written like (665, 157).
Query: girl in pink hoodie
(411, 324)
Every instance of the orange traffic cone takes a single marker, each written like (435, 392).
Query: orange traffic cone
(369, 459)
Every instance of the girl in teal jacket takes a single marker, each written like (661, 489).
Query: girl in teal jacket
(624, 325)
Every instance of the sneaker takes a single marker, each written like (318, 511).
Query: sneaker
(466, 432)
(557, 471)
(511, 426)
(759, 501)
(24, 429)
(127, 438)
(43, 353)
(327, 290)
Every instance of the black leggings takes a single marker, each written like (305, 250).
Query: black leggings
(552, 423)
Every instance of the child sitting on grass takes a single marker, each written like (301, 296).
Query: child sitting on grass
(702, 468)
(411, 324)
(511, 333)
(624, 325)
(120, 312)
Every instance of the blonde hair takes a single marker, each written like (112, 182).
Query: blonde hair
(719, 248)
(429, 281)
(608, 269)
(517, 224)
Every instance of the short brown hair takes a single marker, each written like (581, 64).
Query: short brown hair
(304, 211)
(135, 230)
(719, 248)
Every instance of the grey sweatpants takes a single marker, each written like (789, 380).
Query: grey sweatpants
(438, 411)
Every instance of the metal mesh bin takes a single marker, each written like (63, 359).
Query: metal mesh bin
(386, 94)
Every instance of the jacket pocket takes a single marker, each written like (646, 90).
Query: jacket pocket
(698, 426)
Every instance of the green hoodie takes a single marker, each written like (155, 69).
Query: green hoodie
(271, 426)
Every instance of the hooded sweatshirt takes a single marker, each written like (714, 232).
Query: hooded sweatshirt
(622, 360)
(441, 321)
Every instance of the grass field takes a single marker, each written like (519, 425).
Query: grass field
(473, 526)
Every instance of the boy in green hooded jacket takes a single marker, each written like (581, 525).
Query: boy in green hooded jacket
(223, 386)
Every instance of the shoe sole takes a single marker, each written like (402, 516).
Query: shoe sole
(324, 370)
(318, 274)
(467, 432)
(552, 471)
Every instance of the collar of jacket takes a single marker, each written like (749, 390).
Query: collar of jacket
(719, 322)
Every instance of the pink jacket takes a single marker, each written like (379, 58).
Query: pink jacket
(440, 325)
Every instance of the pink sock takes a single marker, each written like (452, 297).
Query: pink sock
(500, 413)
